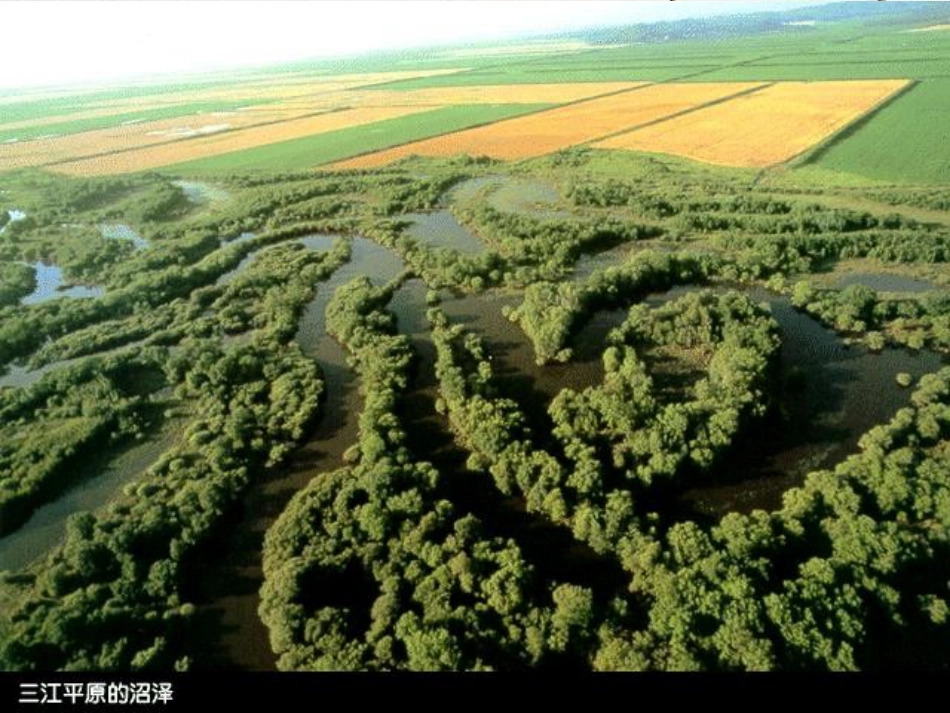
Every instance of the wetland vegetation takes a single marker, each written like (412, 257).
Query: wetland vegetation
(579, 409)
(363, 402)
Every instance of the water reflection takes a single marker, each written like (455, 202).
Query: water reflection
(50, 285)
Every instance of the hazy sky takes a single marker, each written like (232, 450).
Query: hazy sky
(47, 42)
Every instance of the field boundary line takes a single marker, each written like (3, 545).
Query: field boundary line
(235, 130)
(474, 71)
(741, 63)
(813, 153)
(682, 112)
(556, 107)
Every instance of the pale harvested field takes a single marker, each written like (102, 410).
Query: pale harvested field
(443, 96)
(932, 28)
(252, 90)
(264, 91)
(120, 138)
(764, 128)
(179, 151)
(295, 105)
(291, 95)
(47, 120)
(559, 128)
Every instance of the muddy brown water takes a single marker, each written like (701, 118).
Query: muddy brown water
(230, 591)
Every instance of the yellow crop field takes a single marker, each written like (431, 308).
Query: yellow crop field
(194, 148)
(562, 127)
(47, 120)
(319, 98)
(448, 96)
(269, 100)
(763, 128)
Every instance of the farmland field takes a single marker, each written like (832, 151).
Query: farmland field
(563, 127)
(104, 118)
(623, 348)
(903, 143)
(226, 141)
(764, 128)
(315, 150)
(254, 118)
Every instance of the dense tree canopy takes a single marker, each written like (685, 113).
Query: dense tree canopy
(389, 559)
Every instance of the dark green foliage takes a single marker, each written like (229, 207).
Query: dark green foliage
(369, 569)
(851, 572)
(50, 429)
(680, 381)
(550, 312)
(113, 590)
(835, 579)
(916, 323)
(16, 282)
(381, 564)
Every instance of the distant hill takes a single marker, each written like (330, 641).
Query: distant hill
(872, 13)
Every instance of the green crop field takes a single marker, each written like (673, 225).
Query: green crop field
(336, 145)
(922, 69)
(906, 141)
(45, 107)
(528, 75)
(839, 52)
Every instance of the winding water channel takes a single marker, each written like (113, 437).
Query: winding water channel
(99, 481)
(847, 391)
(230, 590)
(830, 395)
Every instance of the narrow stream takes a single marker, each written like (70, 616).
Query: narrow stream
(230, 589)
(845, 393)
(884, 282)
(551, 549)
(100, 481)
(512, 353)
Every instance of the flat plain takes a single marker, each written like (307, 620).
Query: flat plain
(764, 128)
